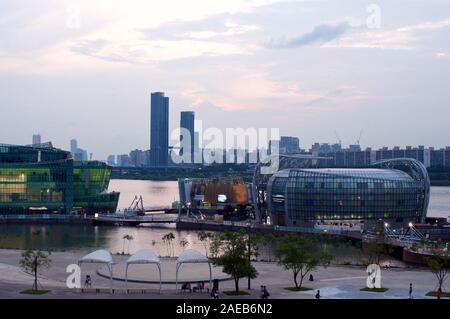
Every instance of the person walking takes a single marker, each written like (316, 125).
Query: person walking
(265, 293)
(311, 277)
(261, 293)
(439, 293)
(410, 291)
(318, 294)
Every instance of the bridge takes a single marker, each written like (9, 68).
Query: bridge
(124, 220)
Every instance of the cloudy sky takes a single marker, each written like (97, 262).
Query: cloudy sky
(85, 69)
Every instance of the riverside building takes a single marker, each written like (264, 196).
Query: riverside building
(46, 180)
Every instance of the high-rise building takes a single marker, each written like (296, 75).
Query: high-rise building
(187, 119)
(289, 145)
(137, 158)
(36, 139)
(73, 146)
(159, 129)
(123, 160)
(111, 160)
(78, 154)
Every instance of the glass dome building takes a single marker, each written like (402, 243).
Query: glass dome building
(396, 190)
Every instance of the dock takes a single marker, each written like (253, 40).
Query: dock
(124, 220)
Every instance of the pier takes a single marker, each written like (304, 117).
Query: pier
(124, 220)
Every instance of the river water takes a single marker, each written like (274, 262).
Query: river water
(154, 193)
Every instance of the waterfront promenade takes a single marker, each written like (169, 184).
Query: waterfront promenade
(333, 282)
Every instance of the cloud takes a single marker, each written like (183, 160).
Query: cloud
(407, 37)
(221, 25)
(442, 55)
(321, 33)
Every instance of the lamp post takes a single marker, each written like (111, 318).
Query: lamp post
(249, 250)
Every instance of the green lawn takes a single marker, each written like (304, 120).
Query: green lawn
(236, 293)
(433, 294)
(374, 289)
(298, 289)
(34, 292)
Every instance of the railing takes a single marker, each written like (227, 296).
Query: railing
(40, 216)
(253, 226)
(310, 230)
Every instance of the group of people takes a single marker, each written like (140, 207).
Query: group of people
(264, 293)
(199, 287)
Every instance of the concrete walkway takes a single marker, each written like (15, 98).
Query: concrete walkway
(334, 282)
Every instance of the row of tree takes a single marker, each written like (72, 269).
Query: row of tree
(234, 252)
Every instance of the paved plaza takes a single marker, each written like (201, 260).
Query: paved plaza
(337, 282)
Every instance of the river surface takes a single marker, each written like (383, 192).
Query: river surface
(154, 193)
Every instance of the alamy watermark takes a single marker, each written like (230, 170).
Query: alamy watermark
(232, 145)
(373, 20)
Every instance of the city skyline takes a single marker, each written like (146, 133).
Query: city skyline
(309, 68)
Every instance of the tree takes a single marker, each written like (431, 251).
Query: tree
(126, 238)
(267, 241)
(301, 255)
(230, 250)
(205, 239)
(32, 261)
(375, 246)
(439, 263)
(184, 243)
(168, 239)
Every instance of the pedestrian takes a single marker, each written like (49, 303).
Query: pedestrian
(318, 294)
(439, 293)
(262, 292)
(410, 291)
(311, 278)
(265, 293)
(88, 282)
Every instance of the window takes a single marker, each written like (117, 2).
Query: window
(309, 185)
(308, 202)
(362, 185)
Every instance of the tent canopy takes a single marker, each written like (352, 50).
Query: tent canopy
(192, 256)
(144, 256)
(98, 256)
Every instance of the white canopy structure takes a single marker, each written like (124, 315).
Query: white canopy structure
(99, 257)
(144, 256)
(191, 256)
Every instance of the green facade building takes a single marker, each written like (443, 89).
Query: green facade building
(43, 179)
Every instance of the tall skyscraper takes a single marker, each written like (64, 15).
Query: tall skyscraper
(78, 154)
(159, 129)
(36, 139)
(73, 146)
(187, 120)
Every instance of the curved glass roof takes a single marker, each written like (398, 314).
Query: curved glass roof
(376, 173)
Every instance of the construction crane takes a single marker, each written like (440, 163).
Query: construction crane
(359, 137)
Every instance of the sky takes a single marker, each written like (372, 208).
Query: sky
(320, 70)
